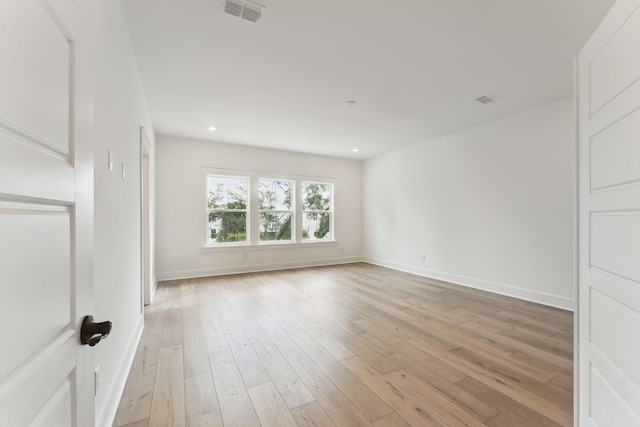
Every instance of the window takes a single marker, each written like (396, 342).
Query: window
(275, 198)
(258, 210)
(227, 212)
(317, 211)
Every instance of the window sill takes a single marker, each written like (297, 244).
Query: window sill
(267, 246)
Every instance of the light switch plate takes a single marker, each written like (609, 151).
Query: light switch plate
(96, 380)
(110, 164)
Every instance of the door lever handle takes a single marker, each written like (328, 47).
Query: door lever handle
(91, 332)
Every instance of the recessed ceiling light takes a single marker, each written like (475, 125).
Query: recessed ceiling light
(487, 99)
(355, 150)
(212, 128)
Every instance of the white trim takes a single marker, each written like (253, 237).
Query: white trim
(269, 245)
(109, 410)
(221, 271)
(496, 288)
(576, 247)
(154, 286)
(246, 211)
(264, 174)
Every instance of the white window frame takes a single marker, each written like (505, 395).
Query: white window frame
(246, 211)
(253, 242)
(331, 210)
(291, 212)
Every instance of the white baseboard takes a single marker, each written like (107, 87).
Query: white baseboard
(497, 288)
(108, 414)
(221, 271)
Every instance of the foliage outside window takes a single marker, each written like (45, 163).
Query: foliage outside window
(317, 211)
(275, 198)
(227, 201)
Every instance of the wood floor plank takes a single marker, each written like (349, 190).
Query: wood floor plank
(333, 401)
(509, 386)
(171, 328)
(152, 323)
(168, 406)
(135, 403)
(235, 405)
(394, 350)
(291, 388)
(141, 423)
(429, 373)
(381, 327)
(392, 420)
(201, 402)
(213, 334)
(370, 355)
(279, 337)
(289, 318)
(249, 364)
(250, 325)
(415, 413)
(445, 409)
(511, 412)
(554, 394)
(565, 382)
(196, 359)
(247, 361)
(367, 402)
(561, 361)
(312, 415)
(271, 409)
(188, 302)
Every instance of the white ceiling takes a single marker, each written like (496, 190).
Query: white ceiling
(414, 67)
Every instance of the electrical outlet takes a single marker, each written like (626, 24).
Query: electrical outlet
(96, 377)
(423, 258)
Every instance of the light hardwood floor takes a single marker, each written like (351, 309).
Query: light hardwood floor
(344, 346)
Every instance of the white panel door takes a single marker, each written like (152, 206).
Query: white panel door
(46, 199)
(609, 209)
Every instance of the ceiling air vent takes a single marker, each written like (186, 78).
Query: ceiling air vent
(487, 99)
(246, 10)
(233, 8)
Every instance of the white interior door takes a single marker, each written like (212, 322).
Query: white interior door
(609, 206)
(46, 211)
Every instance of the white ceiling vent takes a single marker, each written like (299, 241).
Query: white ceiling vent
(487, 99)
(248, 11)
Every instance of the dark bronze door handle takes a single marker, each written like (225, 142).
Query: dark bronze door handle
(91, 332)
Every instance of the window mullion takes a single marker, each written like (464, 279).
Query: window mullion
(254, 211)
(298, 211)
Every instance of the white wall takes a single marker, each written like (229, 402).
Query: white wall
(490, 207)
(120, 109)
(181, 203)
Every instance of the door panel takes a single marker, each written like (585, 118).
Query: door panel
(35, 83)
(45, 214)
(35, 392)
(603, 311)
(40, 300)
(609, 221)
(616, 146)
(616, 66)
(615, 241)
(606, 403)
